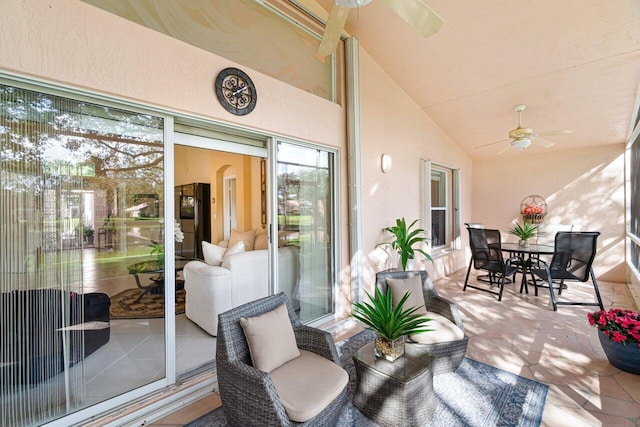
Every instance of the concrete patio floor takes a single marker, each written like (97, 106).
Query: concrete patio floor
(524, 336)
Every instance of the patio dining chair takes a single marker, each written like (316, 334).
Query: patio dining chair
(486, 255)
(572, 260)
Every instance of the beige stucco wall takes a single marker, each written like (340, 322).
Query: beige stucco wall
(583, 187)
(392, 123)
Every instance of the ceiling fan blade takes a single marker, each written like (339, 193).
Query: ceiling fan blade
(418, 15)
(492, 143)
(556, 132)
(504, 149)
(542, 142)
(333, 30)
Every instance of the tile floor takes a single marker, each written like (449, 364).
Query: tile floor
(523, 335)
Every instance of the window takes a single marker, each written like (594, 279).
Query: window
(633, 172)
(441, 206)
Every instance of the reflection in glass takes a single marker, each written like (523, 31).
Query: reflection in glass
(305, 215)
(81, 198)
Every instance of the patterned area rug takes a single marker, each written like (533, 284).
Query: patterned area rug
(475, 395)
(123, 305)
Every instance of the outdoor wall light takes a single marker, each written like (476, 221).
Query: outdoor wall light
(385, 163)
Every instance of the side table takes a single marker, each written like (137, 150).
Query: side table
(398, 393)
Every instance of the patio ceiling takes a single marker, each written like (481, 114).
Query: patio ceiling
(574, 63)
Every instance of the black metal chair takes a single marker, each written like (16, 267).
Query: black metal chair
(572, 260)
(486, 255)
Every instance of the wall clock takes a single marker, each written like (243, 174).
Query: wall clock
(235, 91)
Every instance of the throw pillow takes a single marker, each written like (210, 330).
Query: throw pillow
(261, 242)
(399, 287)
(271, 340)
(212, 254)
(236, 248)
(245, 236)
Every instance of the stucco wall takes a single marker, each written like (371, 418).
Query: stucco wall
(392, 123)
(583, 187)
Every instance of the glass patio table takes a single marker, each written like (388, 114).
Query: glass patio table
(527, 255)
(156, 269)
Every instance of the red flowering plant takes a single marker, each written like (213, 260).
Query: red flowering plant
(532, 210)
(621, 326)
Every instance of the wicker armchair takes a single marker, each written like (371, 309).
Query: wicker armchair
(448, 354)
(249, 397)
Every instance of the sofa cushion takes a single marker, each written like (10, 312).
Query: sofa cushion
(442, 330)
(247, 237)
(212, 254)
(399, 287)
(261, 241)
(308, 384)
(270, 338)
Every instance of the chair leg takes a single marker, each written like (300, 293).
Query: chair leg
(553, 297)
(595, 287)
(501, 288)
(466, 280)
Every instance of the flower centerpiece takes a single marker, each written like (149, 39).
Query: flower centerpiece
(525, 231)
(390, 324)
(619, 334)
(405, 240)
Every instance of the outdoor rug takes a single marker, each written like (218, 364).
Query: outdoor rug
(123, 305)
(475, 395)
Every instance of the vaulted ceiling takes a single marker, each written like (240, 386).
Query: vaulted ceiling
(574, 63)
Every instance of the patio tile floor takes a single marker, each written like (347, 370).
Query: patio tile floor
(524, 336)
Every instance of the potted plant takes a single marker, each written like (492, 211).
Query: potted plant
(619, 334)
(525, 231)
(405, 239)
(390, 324)
(88, 234)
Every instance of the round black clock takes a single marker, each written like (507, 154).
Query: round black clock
(235, 91)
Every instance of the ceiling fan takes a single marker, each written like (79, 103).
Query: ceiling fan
(416, 13)
(522, 137)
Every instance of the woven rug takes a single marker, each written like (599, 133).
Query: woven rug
(123, 305)
(475, 395)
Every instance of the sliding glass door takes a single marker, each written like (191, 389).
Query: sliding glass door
(306, 231)
(81, 205)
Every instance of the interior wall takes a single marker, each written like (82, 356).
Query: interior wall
(392, 123)
(583, 187)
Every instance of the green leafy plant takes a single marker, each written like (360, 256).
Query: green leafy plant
(157, 249)
(524, 231)
(405, 239)
(388, 322)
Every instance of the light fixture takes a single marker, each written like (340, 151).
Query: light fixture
(385, 162)
(520, 144)
(352, 3)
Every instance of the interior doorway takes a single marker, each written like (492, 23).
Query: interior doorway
(229, 201)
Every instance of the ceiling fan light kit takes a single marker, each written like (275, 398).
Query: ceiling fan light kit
(522, 137)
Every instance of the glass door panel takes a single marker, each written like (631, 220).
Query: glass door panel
(81, 204)
(305, 198)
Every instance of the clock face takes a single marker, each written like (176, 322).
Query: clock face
(235, 91)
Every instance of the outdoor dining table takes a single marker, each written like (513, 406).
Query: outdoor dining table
(527, 254)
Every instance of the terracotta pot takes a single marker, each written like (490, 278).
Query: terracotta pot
(623, 357)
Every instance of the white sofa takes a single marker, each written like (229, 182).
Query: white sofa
(241, 278)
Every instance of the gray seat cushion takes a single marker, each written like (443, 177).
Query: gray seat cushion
(307, 384)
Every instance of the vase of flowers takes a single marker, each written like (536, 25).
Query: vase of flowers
(157, 248)
(619, 334)
(390, 324)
